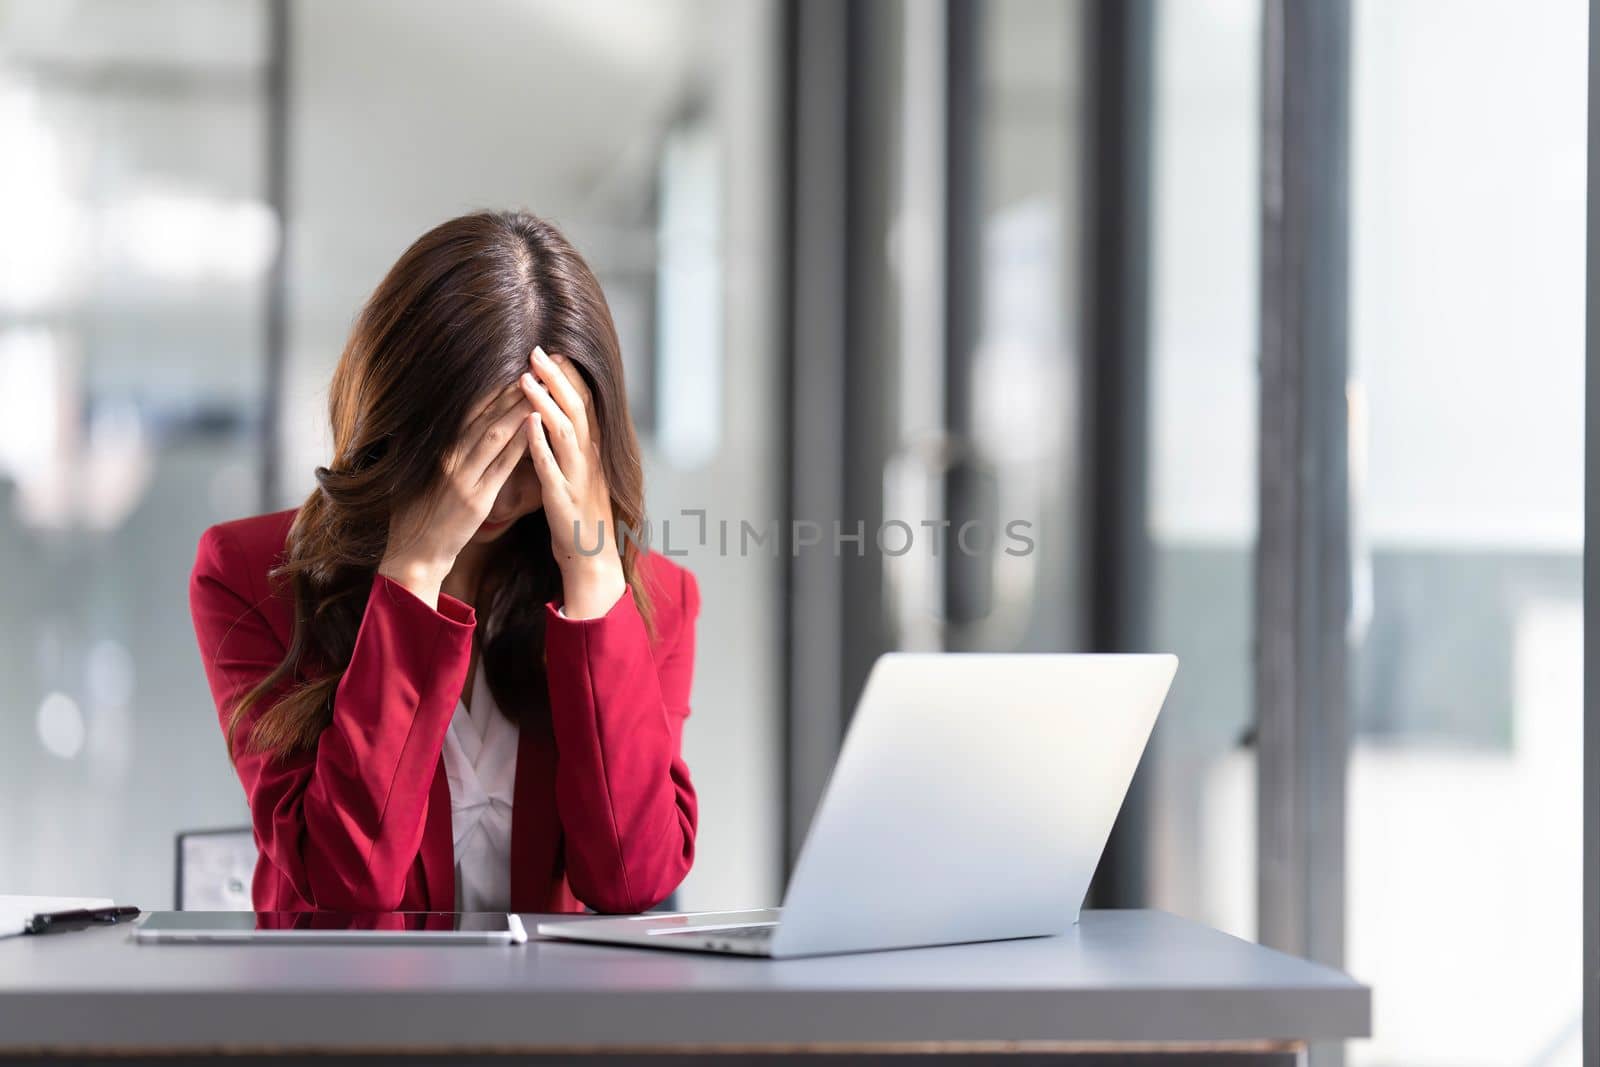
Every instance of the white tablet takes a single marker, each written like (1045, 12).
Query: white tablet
(325, 928)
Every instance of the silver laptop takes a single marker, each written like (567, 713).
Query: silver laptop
(971, 802)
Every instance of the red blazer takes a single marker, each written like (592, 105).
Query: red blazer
(603, 811)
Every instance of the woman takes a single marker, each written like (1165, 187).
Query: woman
(445, 682)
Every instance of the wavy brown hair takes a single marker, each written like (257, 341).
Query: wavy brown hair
(453, 321)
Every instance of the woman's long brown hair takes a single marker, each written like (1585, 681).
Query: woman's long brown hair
(454, 319)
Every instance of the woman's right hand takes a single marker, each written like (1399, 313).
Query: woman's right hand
(426, 537)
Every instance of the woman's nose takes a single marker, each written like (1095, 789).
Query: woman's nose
(524, 482)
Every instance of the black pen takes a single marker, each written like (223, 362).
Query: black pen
(49, 922)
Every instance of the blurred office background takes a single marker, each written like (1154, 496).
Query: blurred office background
(904, 259)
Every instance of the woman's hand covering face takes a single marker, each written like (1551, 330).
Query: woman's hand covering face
(426, 537)
(563, 439)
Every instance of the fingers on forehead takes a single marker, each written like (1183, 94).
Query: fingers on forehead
(485, 402)
(494, 405)
(570, 370)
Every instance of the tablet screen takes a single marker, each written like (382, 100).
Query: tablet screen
(327, 926)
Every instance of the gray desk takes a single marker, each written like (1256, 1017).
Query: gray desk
(1122, 984)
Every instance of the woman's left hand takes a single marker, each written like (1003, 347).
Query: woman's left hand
(565, 446)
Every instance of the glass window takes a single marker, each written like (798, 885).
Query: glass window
(1205, 237)
(1467, 341)
(647, 131)
(132, 294)
(1024, 384)
(133, 282)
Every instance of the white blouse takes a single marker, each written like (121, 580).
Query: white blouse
(480, 761)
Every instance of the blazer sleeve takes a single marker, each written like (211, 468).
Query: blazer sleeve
(623, 793)
(343, 821)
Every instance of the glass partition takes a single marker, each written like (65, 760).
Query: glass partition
(648, 132)
(1205, 277)
(1467, 340)
(137, 243)
(134, 273)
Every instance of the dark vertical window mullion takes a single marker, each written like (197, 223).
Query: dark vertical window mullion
(1591, 580)
(790, 50)
(838, 433)
(963, 251)
(1116, 375)
(1303, 555)
(276, 323)
(966, 594)
(864, 629)
(814, 352)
